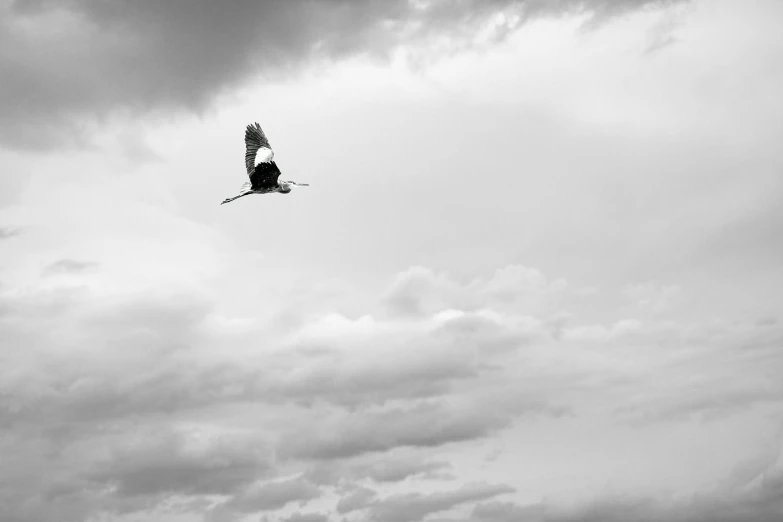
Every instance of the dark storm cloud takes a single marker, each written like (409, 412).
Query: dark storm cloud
(63, 60)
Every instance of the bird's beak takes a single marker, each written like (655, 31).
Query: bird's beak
(303, 184)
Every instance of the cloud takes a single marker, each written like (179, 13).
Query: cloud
(756, 497)
(400, 469)
(416, 506)
(178, 371)
(122, 395)
(661, 35)
(760, 500)
(393, 466)
(599, 332)
(125, 468)
(712, 371)
(187, 463)
(703, 401)
(356, 500)
(268, 496)
(306, 517)
(8, 232)
(120, 401)
(134, 355)
(374, 367)
(498, 511)
(68, 266)
(427, 425)
(653, 297)
(420, 292)
(67, 60)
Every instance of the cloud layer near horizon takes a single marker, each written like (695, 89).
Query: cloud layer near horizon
(133, 401)
(67, 63)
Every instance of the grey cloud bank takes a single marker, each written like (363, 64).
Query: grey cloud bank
(75, 408)
(114, 360)
(64, 62)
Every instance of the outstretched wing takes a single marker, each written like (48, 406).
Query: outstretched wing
(255, 141)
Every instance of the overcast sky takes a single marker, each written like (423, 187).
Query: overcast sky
(537, 276)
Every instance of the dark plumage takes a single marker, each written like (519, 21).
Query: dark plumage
(264, 174)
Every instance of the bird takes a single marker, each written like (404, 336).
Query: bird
(263, 173)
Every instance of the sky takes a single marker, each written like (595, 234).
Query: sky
(536, 276)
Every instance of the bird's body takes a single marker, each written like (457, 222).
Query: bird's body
(261, 167)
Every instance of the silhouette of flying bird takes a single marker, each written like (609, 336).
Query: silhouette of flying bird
(263, 173)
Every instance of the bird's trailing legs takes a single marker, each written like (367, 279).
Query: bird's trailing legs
(229, 200)
(244, 191)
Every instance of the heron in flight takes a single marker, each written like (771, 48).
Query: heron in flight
(264, 172)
